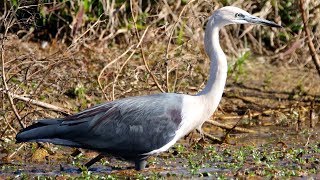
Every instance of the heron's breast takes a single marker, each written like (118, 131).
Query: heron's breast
(193, 114)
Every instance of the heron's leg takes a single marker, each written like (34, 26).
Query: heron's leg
(75, 152)
(94, 160)
(140, 164)
(202, 135)
(199, 129)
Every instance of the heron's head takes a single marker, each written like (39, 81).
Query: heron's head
(233, 15)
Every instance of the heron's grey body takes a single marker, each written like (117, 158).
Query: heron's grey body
(129, 127)
(136, 127)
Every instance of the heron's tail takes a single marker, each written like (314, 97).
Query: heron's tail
(50, 130)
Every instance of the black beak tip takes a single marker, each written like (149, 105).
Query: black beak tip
(277, 26)
(272, 24)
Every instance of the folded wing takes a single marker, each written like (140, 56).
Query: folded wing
(134, 125)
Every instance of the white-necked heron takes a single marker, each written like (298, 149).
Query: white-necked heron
(136, 127)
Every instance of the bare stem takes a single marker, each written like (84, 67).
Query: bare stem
(142, 52)
(312, 49)
(9, 21)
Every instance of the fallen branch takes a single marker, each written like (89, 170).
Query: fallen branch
(312, 49)
(244, 99)
(38, 103)
(255, 114)
(212, 138)
(224, 126)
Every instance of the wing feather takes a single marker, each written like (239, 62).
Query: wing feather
(132, 125)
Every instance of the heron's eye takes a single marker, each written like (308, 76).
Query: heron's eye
(239, 15)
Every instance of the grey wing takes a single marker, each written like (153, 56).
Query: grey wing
(134, 125)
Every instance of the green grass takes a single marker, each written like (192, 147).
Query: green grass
(237, 69)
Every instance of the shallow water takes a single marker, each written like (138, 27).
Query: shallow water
(273, 152)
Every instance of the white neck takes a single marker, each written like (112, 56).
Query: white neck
(212, 93)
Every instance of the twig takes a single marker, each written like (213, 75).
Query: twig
(314, 55)
(76, 40)
(235, 125)
(116, 78)
(168, 45)
(4, 132)
(315, 8)
(109, 64)
(224, 126)
(38, 103)
(16, 151)
(246, 116)
(255, 114)
(142, 52)
(209, 136)
(308, 140)
(9, 125)
(311, 115)
(7, 26)
(149, 71)
(245, 99)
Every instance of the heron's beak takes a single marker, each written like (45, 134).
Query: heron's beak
(256, 20)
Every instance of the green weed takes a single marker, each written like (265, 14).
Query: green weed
(237, 69)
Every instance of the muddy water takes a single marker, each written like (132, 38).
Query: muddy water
(273, 152)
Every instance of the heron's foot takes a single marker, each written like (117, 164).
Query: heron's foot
(200, 139)
(140, 164)
(208, 138)
(191, 137)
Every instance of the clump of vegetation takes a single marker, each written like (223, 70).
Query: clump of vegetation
(237, 69)
(118, 19)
